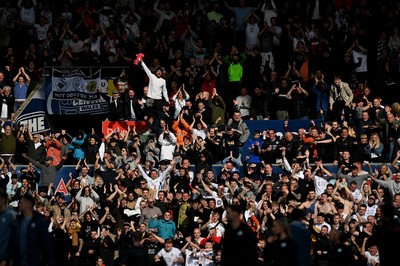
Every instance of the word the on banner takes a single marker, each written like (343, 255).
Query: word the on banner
(34, 113)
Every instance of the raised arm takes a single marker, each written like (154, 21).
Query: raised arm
(185, 94)
(205, 186)
(16, 76)
(165, 173)
(146, 69)
(94, 195)
(35, 163)
(394, 162)
(78, 196)
(227, 6)
(156, 9)
(326, 171)
(202, 122)
(28, 79)
(142, 172)
(286, 164)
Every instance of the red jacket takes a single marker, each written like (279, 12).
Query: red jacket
(53, 148)
(215, 240)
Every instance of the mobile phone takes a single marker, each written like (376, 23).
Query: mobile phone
(176, 160)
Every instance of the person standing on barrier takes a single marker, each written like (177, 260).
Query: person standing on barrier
(340, 98)
(237, 123)
(21, 84)
(157, 90)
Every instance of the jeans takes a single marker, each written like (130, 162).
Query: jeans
(392, 150)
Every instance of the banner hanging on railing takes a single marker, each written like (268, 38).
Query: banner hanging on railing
(34, 113)
(74, 93)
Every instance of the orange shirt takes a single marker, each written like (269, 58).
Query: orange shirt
(181, 129)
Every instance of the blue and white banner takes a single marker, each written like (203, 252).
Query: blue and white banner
(34, 113)
(74, 93)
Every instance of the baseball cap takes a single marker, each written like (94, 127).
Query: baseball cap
(115, 92)
(48, 158)
(126, 224)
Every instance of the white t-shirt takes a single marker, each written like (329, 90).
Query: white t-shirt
(167, 146)
(363, 56)
(41, 31)
(244, 104)
(252, 31)
(356, 194)
(200, 133)
(371, 210)
(28, 15)
(219, 227)
(320, 185)
(170, 256)
(206, 258)
(218, 200)
(371, 258)
(157, 86)
(191, 258)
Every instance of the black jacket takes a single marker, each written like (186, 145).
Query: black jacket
(115, 107)
(240, 246)
(38, 154)
(38, 242)
(137, 108)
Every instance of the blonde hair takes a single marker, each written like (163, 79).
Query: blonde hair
(376, 144)
(389, 171)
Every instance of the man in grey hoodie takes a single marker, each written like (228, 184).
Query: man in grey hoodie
(392, 184)
(48, 171)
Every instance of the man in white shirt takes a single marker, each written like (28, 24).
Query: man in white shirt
(371, 206)
(157, 89)
(355, 192)
(371, 254)
(84, 177)
(214, 223)
(167, 141)
(155, 179)
(171, 255)
(243, 103)
(41, 29)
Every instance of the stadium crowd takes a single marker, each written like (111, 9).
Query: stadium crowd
(196, 73)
